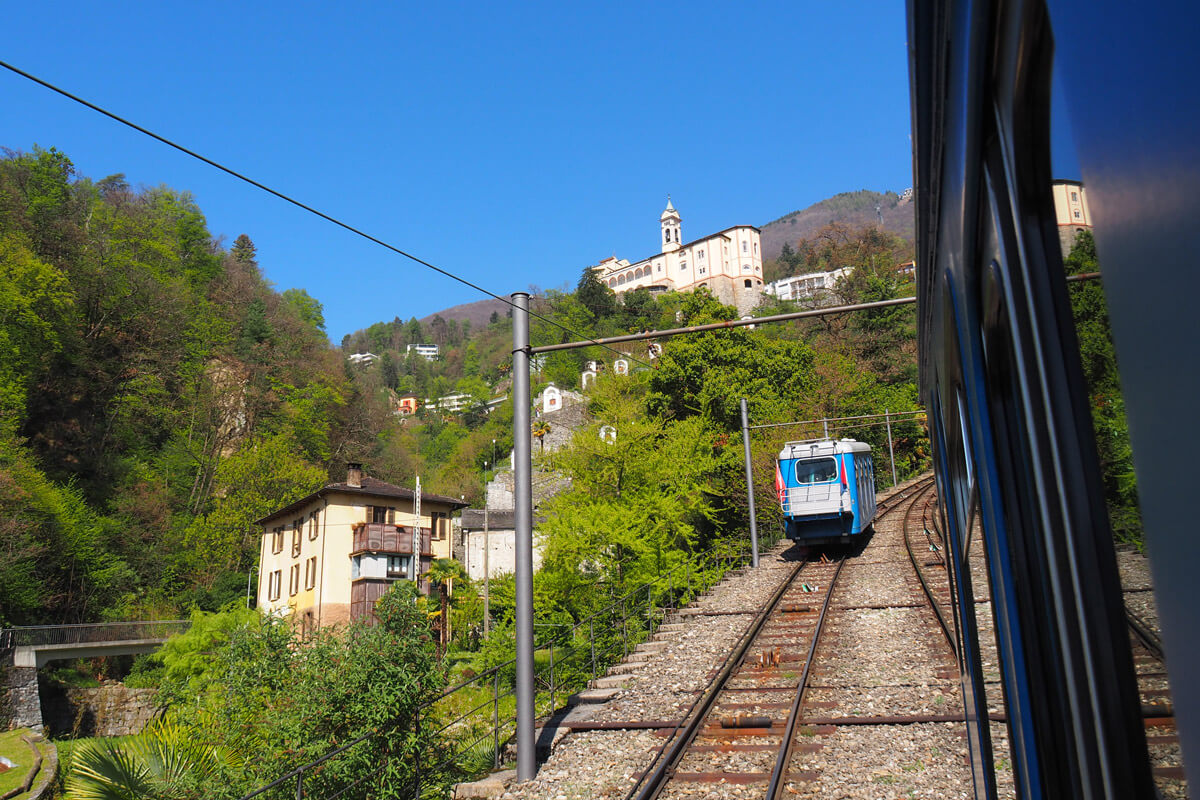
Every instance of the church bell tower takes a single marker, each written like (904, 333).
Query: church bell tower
(672, 228)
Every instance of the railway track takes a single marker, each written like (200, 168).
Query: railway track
(765, 716)
(926, 549)
(1162, 739)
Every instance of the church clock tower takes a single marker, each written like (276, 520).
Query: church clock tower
(672, 228)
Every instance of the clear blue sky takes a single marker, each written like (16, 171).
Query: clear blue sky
(513, 145)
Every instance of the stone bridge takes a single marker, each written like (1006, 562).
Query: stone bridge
(28, 648)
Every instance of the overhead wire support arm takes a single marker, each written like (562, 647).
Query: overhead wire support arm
(741, 323)
(716, 326)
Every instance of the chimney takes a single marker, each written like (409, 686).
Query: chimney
(354, 475)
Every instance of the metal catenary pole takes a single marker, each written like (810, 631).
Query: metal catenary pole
(487, 546)
(891, 450)
(415, 570)
(750, 485)
(523, 513)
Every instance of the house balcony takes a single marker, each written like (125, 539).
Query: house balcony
(377, 537)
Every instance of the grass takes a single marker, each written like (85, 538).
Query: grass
(16, 751)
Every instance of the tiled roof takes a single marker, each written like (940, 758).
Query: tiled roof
(371, 487)
(472, 519)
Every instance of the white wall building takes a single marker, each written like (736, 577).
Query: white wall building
(1071, 211)
(728, 263)
(429, 352)
(814, 285)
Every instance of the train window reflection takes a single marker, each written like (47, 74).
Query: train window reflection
(818, 470)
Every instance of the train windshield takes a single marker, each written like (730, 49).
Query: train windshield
(817, 470)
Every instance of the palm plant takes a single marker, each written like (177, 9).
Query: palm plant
(161, 763)
(539, 430)
(443, 572)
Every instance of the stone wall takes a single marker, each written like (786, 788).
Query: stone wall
(109, 710)
(19, 704)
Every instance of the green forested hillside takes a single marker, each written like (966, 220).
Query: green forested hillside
(156, 396)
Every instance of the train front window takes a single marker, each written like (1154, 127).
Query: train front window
(818, 470)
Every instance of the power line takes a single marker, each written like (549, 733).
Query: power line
(752, 321)
(288, 199)
(733, 323)
(890, 414)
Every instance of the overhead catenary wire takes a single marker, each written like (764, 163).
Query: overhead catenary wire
(896, 415)
(293, 201)
(751, 321)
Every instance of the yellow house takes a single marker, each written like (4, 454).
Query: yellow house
(326, 558)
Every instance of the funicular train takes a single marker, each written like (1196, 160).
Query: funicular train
(1014, 451)
(826, 490)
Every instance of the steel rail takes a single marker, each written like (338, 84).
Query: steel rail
(1148, 638)
(789, 731)
(653, 783)
(912, 557)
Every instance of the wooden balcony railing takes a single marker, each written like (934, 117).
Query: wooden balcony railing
(382, 538)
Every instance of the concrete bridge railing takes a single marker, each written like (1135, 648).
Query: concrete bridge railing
(35, 646)
(41, 635)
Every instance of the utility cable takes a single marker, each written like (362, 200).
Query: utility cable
(286, 198)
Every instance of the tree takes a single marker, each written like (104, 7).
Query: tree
(595, 295)
(307, 307)
(256, 330)
(1099, 360)
(35, 299)
(287, 699)
(265, 475)
(244, 251)
(708, 374)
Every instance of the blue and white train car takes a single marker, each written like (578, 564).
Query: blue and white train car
(826, 488)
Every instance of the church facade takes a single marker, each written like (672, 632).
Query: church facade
(728, 263)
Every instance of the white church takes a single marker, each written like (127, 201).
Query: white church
(728, 263)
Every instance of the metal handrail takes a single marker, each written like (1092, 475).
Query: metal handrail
(89, 632)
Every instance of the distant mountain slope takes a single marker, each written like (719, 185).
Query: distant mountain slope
(854, 209)
(479, 312)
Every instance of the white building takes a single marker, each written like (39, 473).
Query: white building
(429, 352)
(728, 263)
(460, 401)
(814, 285)
(1071, 211)
(362, 359)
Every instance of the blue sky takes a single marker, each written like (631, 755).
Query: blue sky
(514, 145)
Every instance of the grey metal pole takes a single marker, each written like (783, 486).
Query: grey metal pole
(891, 450)
(523, 514)
(487, 546)
(825, 424)
(750, 486)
